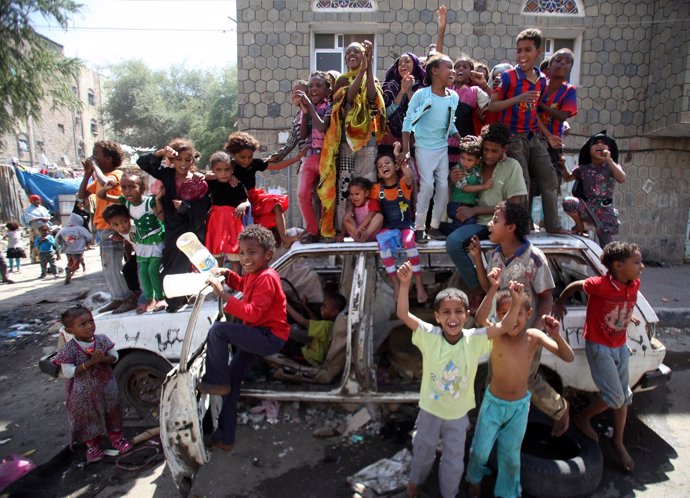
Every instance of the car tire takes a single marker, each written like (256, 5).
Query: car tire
(140, 376)
(568, 466)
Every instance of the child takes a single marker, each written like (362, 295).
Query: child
(35, 216)
(503, 414)
(185, 203)
(47, 251)
(294, 137)
(74, 238)
(147, 214)
(395, 203)
(91, 395)
(107, 156)
(229, 205)
(267, 209)
(316, 109)
(430, 117)
(263, 332)
(517, 96)
(309, 340)
(610, 305)
(473, 93)
(349, 146)
(15, 246)
(3, 271)
(597, 172)
(450, 358)
(119, 219)
(362, 220)
(465, 191)
(519, 260)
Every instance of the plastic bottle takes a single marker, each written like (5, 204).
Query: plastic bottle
(459, 183)
(200, 257)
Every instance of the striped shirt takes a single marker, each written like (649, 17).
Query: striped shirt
(522, 117)
(563, 99)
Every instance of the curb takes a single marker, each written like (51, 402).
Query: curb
(673, 317)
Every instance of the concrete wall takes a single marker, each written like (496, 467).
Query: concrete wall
(634, 81)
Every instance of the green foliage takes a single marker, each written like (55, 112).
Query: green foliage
(148, 108)
(32, 69)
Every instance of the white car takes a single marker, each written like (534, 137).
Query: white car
(371, 357)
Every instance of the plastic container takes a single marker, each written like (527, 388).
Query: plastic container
(184, 284)
(200, 257)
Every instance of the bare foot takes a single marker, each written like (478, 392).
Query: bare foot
(474, 490)
(585, 427)
(561, 426)
(288, 241)
(422, 296)
(411, 490)
(626, 460)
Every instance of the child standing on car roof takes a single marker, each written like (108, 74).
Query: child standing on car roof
(263, 331)
(610, 305)
(91, 394)
(450, 357)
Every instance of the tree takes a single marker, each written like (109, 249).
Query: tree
(32, 69)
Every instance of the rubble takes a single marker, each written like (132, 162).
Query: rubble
(385, 476)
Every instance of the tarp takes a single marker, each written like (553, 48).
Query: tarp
(46, 187)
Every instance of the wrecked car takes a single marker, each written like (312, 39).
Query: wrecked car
(371, 357)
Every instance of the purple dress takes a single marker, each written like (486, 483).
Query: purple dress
(91, 396)
(597, 207)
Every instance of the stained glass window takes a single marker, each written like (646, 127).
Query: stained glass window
(553, 7)
(344, 5)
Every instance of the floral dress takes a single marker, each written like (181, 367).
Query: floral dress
(597, 207)
(92, 397)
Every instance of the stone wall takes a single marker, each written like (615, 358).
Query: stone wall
(634, 81)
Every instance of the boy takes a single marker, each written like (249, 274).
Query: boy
(118, 218)
(450, 357)
(108, 157)
(519, 260)
(465, 191)
(558, 103)
(310, 341)
(516, 98)
(46, 251)
(263, 331)
(75, 239)
(611, 300)
(503, 414)
(294, 137)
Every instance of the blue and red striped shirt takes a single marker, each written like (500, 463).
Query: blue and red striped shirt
(522, 117)
(563, 99)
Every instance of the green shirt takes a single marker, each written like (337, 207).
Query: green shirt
(150, 230)
(320, 333)
(448, 370)
(508, 182)
(474, 177)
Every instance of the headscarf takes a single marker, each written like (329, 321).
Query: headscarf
(391, 88)
(34, 197)
(585, 155)
(393, 75)
(359, 125)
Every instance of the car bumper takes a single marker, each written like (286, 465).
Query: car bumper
(651, 380)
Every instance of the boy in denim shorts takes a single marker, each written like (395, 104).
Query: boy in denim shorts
(611, 301)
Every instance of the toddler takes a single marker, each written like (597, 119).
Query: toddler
(74, 238)
(15, 246)
(47, 251)
(362, 221)
(91, 394)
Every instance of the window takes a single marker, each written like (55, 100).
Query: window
(75, 91)
(61, 128)
(343, 5)
(554, 44)
(553, 8)
(94, 127)
(91, 97)
(329, 50)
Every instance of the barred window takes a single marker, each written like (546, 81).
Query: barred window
(343, 5)
(553, 7)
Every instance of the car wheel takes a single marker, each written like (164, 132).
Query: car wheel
(567, 466)
(140, 376)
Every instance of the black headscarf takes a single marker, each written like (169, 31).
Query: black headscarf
(586, 157)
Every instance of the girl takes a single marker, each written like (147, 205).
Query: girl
(473, 92)
(73, 239)
(185, 203)
(228, 205)
(430, 117)
(91, 394)
(15, 246)
(349, 146)
(316, 118)
(147, 215)
(267, 209)
(595, 175)
(362, 220)
(395, 200)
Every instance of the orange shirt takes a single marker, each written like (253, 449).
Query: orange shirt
(101, 204)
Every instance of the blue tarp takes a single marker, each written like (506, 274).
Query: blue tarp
(46, 187)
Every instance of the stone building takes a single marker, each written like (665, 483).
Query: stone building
(632, 70)
(61, 136)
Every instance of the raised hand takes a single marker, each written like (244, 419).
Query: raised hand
(551, 325)
(474, 249)
(517, 291)
(494, 277)
(405, 273)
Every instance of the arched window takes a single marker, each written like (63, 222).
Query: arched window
(94, 127)
(553, 8)
(91, 97)
(343, 5)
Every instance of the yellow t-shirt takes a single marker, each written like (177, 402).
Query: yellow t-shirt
(320, 332)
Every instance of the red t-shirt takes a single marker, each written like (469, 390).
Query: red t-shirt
(609, 309)
(263, 301)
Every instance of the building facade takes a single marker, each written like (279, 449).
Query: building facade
(632, 70)
(61, 136)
